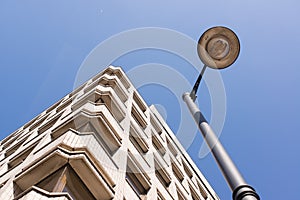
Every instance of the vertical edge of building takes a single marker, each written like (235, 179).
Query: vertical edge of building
(103, 142)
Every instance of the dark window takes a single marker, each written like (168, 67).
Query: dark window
(161, 175)
(178, 174)
(158, 145)
(202, 191)
(187, 170)
(138, 117)
(136, 179)
(66, 180)
(171, 148)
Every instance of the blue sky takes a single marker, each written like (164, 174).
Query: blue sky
(44, 43)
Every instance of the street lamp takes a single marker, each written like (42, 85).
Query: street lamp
(218, 48)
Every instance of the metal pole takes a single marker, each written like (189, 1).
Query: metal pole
(197, 83)
(241, 190)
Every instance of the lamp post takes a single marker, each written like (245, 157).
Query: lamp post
(218, 48)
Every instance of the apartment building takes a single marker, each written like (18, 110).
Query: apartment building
(103, 142)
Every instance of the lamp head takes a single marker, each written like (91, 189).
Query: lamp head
(218, 47)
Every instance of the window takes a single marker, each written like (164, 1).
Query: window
(66, 180)
(159, 174)
(30, 123)
(50, 123)
(20, 157)
(106, 98)
(155, 125)
(202, 191)
(172, 148)
(135, 143)
(38, 123)
(138, 181)
(113, 106)
(180, 196)
(22, 135)
(162, 175)
(8, 141)
(187, 170)
(139, 142)
(160, 196)
(14, 148)
(64, 105)
(139, 102)
(158, 145)
(178, 174)
(138, 117)
(195, 195)
(135, 183)
(53, 106)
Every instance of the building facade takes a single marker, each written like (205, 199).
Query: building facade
(99, 142)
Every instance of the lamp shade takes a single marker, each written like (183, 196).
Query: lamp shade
(218, 47)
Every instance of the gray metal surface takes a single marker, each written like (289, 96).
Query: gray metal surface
(241, 190)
